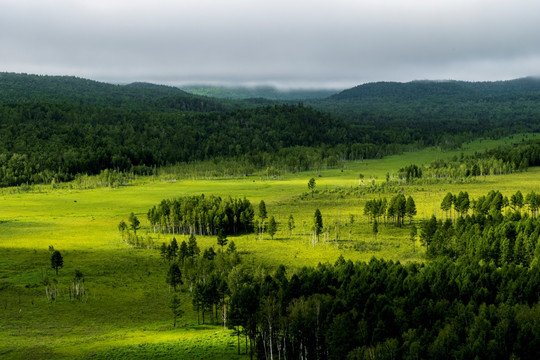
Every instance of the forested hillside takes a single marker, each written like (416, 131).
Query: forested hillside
(22, 88)
(57, 127)
(473, 108)
(44, 141)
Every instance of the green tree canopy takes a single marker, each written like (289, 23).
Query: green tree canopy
(57, 261)
(174, 276)
(311, 185)
(272, 227)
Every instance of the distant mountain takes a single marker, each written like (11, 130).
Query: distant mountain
(517, 86)
(19, 88)
(392, 104)
(415, 90)
(264, 92)
(394, 91)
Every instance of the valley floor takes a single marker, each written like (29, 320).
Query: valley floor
(125, 313)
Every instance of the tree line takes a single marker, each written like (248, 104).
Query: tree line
(43, 142)
(501, 160)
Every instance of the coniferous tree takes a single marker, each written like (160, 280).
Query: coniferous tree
(222, 240)
(174, 276)
(174, 305)
(317, 223)
(192, 248)
(122, 227)
(57, 261)
(262, 216)
(174, 248)
(134, 222)
(163, 251)
(311, 185)
(183, 252)
(446, 204)
(462, 203)
(516, 200)
(272, 227)
(209, 254)
(410, 208)
(231, 248)
(290, 224)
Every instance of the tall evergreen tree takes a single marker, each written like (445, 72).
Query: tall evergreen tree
(272, 227)
(174, 248)
(317, 223)
(174, 305)
(57, 261)
(311, 185)
(222, 240)
(174, 276)
(192, 248)
(263, 214)
(134, 223)
(290, 224)
(410, 208)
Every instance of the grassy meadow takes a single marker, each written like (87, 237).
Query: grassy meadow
(126, 313)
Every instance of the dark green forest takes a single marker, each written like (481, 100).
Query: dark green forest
(53, 128)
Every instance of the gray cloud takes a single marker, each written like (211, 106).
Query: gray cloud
(285, 43)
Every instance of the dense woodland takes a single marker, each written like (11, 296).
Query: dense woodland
(53, 128)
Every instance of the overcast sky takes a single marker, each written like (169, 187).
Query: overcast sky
(288, 43)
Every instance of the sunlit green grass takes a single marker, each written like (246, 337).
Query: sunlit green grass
(126, 312)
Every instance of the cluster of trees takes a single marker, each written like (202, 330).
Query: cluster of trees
(396, 210)
(128, 233)
(203, 215)
(179, 253)
(76, 288)
(488, 234)
(205, 275)
(106, 178)
(491, 204)
(459, 203)
(387, 310)
(502, 160)
(410, 172)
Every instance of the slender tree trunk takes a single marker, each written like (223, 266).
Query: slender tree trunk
(238, 338)
(271, 352)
